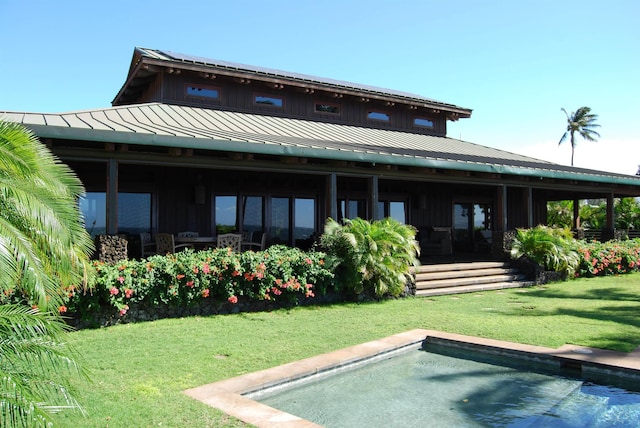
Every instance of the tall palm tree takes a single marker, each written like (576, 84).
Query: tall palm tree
(581, 121)
(43, 248)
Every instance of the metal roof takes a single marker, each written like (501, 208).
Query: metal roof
(167, 125)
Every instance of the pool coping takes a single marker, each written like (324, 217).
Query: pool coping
(229, 395)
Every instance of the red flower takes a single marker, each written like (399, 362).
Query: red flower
(114, 291)
(62, 309)
(233, 300)
(180, 276)
(189, 283)
(236, 273)
(128, 293)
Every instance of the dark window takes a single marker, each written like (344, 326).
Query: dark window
(378, 115)
(203, 92)
(269, 100)
(305, 218)
(327, 108)
(252, 209)
(280, 223)
(422, 122)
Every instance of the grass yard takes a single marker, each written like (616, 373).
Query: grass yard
(139, 370)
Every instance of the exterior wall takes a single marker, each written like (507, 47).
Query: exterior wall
(240, 97)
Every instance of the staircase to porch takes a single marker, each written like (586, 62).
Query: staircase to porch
(467, 277)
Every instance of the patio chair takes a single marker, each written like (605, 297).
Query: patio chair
(230, 240)
(166, 244)
(147, 246)
(257, 246)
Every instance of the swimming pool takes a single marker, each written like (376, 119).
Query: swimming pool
(453, 385)
(438, 387)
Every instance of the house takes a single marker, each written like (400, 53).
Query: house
(195, 144)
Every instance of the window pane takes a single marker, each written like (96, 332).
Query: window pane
(357, 208)
(134, 213)
(225, 214)
(397, 212)
(198, 91)
(269, 100)
(378, 115)
(280, 220)
(93, 206)
(305, 219)
(252, 215)
(425, 123)
(381, 212)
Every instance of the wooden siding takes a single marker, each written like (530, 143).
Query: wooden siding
(240, 97)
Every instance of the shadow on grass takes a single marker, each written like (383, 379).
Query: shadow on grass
(604, 293)
(625, 313)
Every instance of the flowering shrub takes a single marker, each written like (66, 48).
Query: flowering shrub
(608, 258)
(279, 274)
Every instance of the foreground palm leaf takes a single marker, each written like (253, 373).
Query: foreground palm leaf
(43, 248)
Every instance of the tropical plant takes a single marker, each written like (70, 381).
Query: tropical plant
(553, 249)
(583, 122)
(43, 248)
(373, 257)
(560, 214)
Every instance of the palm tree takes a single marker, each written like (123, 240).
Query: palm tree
(583, 122)
(43, 248)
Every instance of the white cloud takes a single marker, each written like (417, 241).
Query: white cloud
(619, 156)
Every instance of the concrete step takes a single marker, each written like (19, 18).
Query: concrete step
(453, 278)
(473, 288)
(471, 280)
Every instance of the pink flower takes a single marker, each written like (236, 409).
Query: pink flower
(205, 268)
(62, 309)
(124, 310)
(120, 279)
(205, 293)
(233, 300)
(308, 260)
(190, 284)
(114, 291)
(128, 293)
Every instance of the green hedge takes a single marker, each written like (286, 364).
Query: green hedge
(556, 250)
(188, 278)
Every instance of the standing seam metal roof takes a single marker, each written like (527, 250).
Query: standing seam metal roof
(198, 128)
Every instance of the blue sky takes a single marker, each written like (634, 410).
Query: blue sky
(515, 63)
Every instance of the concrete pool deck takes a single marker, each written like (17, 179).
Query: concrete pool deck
(229, 395)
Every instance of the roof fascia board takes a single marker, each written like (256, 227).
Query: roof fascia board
(104, 136)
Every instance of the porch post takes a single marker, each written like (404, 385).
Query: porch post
(373, 197)
(529, 206)
(610, 222)
(333, 195)
(501, 208)
(576, 214)
(112, 197)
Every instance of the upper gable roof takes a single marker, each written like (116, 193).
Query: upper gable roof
(144, 60)
(165, 125)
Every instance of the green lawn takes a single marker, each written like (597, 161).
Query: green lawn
(139, 370)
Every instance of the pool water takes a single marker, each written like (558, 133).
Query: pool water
(436, 388)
